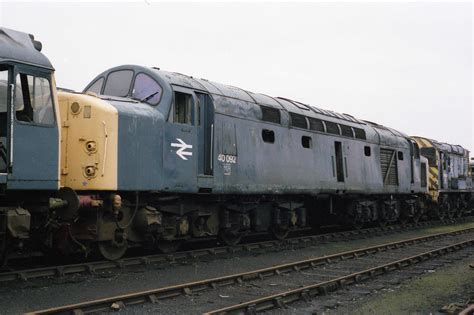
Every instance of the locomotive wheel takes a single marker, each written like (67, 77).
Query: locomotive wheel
(440, 213)
(3, 243)
(111, 250)
(278, 232)
(168, 247)
(382, 222)
(382, 217)
(357, 225)
(450, 211)
(417, 216)
(230, 238)
(3, 253)
(403, 219)
(458, 204)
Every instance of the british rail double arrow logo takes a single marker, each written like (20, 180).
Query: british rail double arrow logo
(182, 153)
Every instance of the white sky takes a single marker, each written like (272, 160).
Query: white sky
(404, 65)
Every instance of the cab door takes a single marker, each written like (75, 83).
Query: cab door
(5, 101)
(33, 131)
(180, 144)
(205, 112)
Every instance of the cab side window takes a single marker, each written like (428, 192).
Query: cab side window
(97, 86)
(33, 100)
(3, 90)
(183, 108)
(146, 89)
(118, 83)
(3, 105)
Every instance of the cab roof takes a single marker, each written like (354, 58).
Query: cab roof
(21, 48)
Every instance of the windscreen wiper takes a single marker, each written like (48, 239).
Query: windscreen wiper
(149, 96)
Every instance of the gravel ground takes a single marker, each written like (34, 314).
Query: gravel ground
(422, 289)
(225, 296)
(37, 294)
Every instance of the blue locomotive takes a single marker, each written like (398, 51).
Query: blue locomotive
(145, 157)
(29, 141)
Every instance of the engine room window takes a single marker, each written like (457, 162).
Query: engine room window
(332, 127)
(359, 133)
(316, 124)
(146, 89)
(118, 83)
(298, 121)
(400, 156)
(346, 131)
(33, 101)
(306, 142)
(270, 114)
(268, 136)
(367, 151)
(183, 108)
(97, 86)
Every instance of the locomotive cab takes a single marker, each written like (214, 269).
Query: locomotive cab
(29, 141)
(28, 121)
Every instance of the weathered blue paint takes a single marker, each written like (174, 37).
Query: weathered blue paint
(179, 173)
(242, 162)
(18, 47)
(35, 163)
(139, 146)
(35, 157)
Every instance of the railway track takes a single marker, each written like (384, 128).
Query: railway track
(469, 310)
(334, 271)
(302, 241)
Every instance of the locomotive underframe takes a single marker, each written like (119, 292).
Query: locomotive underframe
(163, 221)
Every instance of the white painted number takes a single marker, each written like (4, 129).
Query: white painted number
(227, 158)
(182, 153)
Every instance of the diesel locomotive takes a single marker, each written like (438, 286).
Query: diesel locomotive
(146, 157)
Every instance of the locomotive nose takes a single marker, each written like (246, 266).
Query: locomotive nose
(89, 142)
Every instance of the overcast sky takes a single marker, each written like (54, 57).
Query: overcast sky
(404, 65)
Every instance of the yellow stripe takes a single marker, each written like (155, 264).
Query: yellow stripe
(433, 178)
(423, 142)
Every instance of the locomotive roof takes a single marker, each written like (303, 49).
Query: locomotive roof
(22, 48)
(442, 146)
(238, 102)
(239, 94)
(382, 134)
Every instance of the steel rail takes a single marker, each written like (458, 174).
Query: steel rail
(155, 295)
(469, 310)
(91, 267)
(97, 266)
(280, 300)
